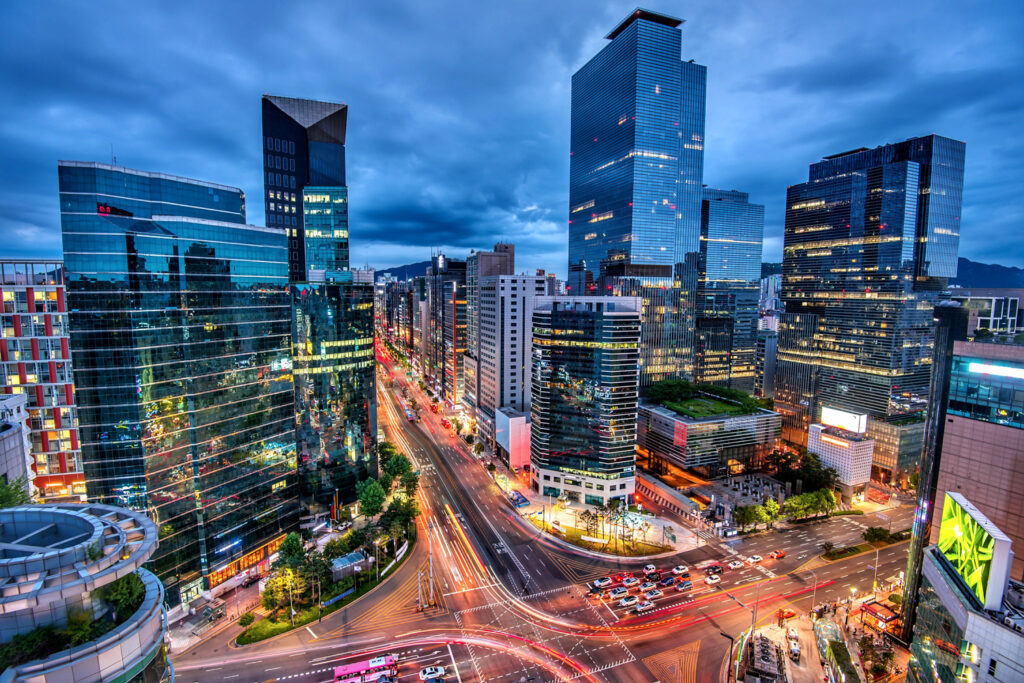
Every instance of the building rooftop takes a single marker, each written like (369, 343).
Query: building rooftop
(147, 174)
(648, 15)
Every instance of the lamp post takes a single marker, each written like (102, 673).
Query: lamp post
(732, 644)
(376, 557)
(853, 592)
(814, 595)
(874, 581)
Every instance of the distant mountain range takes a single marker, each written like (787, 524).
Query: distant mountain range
(405, 272)
(969, 274)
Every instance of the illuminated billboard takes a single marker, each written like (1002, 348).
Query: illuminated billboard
(977, 549)
(851, 422)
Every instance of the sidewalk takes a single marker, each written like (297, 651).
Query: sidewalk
(193, 629)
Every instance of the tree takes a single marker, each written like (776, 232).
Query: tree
(125, 595)
(291, 552)
(828, 546)
(371, 497)
(743, 515)
(15, 493)
(478, 448)
(491, 467)
(397, 466)
(386, 482)
(825, 500)
(385, 451)
(772, 510)
(983, 333)
(410, 482)
(457, 424)
(913, 479)
(468, 438)
(875, 534)
(337, 547)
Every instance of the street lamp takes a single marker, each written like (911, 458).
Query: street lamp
(853, 592)
(732, 644)
(376, 557)
(814, 595)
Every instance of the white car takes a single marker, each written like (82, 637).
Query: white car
(616, 592)
(602, 582)
(735, 564)
(652, 594)
(644, 606)
(680, 570)
(649, 569)
(792, 634)
(647, 586)
(713, 579)
(754, 559)
(431, 672)
(628, 601)
(629, 582)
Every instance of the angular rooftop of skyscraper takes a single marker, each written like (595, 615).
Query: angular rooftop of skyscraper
(328, 118)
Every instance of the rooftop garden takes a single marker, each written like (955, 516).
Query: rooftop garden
(701, 401)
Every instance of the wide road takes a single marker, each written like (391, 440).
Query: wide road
(511, 605)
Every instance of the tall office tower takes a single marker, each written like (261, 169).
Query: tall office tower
(506, 305)
(728, 289)
(303, 147)
(635, 176)
(479, 265)
(420, 319)
(950, 320)
(454, 341)
(335, 389)
(584, 397)
(35, 360)
(180, 330)
(870, 241)
(441, 270)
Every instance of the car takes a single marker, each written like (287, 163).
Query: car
(667, 581)
(794, 651)
(681, 570)
(644, 606)
(250, 580)
(735, 564)
(431, 673)
(754, 559)
(647, 585)
(617, 592)
(792, 633)
(655, 576)
(684, 586)
(628, 601)
(714, 569)
(618, 578)
(629, 582)
(777, 554)
(650, 569)
(602, 582)
(653, 593)
(713, 579)
(788, 613)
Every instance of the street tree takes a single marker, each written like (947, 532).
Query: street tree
(15, 493)
(410, 482)
(337, 547)
(478, 448)
(386, 482)
(371, 497)
(772, 509)
(397, 466)
(291, 552)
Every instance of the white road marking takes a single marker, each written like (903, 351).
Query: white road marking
(455, 667)
(311, 632)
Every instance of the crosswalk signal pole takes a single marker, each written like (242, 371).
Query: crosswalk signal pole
(430, 538)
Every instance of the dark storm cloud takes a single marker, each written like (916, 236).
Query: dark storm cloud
(459, 112)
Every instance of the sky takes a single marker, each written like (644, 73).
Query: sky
(458, 124)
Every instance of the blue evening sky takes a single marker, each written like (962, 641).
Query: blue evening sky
(459, 111)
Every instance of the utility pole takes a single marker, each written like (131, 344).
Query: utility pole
(419, 590)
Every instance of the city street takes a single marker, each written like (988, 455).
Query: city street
(512, 604)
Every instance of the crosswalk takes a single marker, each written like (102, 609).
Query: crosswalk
(678, 664)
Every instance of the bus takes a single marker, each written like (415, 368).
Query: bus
(377, 669)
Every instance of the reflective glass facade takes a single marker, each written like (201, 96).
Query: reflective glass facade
(935, 652)
(584, 385)
(335, 390)
(728, 289)
(454, 340)
(987, 390)
(866, 256)
(180, 329)
(325, 214)
(635, 172)
(303, 146)
(442, 272)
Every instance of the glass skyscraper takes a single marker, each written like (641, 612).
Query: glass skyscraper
(635, 179)
(303, 146)
(179, 327)
(728, 289)
(332, 311)
(584, 397)
(870, 241)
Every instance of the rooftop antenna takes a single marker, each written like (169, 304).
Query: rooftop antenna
(113, 159)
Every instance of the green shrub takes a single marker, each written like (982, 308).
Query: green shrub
(246, 619)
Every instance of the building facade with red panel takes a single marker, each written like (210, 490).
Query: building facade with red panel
(36, 361)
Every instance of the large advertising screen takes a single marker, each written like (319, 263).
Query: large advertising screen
(851, 422)
(977, 549)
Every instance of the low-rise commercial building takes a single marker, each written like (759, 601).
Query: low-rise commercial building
(714, 446)
(15, 446)
(849, 453)
(55, 561)
(512, 432)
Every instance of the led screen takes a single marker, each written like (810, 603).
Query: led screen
(968, 546)
(851, 422)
